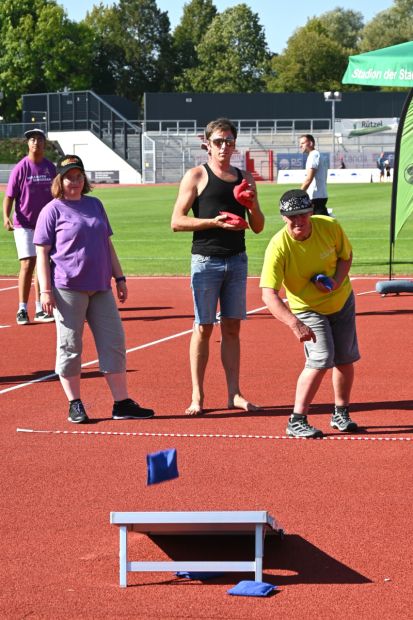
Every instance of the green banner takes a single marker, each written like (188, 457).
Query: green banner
(389, 66)
(402, 196)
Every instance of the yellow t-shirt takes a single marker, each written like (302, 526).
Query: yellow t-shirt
(292, 264)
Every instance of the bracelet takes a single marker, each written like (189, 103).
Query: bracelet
(120, 279)
(41, 292)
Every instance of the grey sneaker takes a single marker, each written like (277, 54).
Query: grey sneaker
(43, 317)
(77, 413)
(341, 420)
(299, 427)
(22, 318)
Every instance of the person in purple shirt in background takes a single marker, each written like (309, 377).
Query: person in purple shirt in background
(29, 189)
(76, 261)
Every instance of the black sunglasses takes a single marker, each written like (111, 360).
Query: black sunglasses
(220, 141)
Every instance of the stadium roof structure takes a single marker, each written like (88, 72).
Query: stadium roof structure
(388, 66)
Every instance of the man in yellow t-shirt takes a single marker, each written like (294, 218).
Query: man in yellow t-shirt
(311, 257)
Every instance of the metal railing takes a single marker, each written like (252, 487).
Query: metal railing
(244, 126)
(16, 130)
(85, 111)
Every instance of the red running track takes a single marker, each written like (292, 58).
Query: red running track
(344, 502)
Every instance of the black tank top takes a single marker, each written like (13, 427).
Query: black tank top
(218, 196)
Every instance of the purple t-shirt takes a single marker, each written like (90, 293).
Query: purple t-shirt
(78, 232)
(29, 185)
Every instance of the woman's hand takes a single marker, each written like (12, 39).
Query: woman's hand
(48, 302)
(122, 291)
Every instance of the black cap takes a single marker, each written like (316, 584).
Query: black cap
(67, 162)
(295, 202)
(34, 132)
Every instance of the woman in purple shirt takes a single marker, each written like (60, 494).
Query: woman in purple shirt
(76, 261)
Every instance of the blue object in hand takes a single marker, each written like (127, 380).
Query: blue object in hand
(325, 280)
(162, 466)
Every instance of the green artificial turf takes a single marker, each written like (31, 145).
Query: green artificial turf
(140, 218)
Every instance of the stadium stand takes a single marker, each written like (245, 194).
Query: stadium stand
(119, 148)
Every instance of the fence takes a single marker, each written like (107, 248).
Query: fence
(167, 149)
(84, 110)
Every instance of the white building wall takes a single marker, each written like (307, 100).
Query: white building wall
(96, 156)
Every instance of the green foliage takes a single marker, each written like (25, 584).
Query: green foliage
(196, 19)
(390, 27)
(312, 61)
(41, 50)
(14, 149)
(107, 52)
(232, 55)
(147, 45)
(132, 48)
(127, 48)
(343, 26)
(140, 218)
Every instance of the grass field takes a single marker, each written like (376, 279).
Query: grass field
(140, 218)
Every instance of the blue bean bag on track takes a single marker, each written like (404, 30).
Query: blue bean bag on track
(252, 588)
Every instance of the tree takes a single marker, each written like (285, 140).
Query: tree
(41, 50)
(147, 46)
(312, 61)
(132, 48)
(196, 19)
(389, 27)
(107, 52)
(232, 55)
(343, 26)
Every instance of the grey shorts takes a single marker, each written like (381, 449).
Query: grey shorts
(102, 315)
(336, 337)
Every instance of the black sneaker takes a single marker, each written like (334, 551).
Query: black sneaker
(299, 427)
(22, 318)
(341, 420)
(43, 317)
(129, 410)
(77, 413)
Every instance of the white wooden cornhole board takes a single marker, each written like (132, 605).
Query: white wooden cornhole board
(257, 522)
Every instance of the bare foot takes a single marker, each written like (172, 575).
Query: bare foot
(239, 402)
(194, 409)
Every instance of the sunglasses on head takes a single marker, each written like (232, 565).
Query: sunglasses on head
(220, 141)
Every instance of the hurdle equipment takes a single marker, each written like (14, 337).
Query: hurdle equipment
(394, 286)
(257, 522)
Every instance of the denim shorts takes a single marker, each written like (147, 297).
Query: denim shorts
(222, 279)
(336, 337)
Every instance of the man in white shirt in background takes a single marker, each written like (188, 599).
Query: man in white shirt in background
(315, 182)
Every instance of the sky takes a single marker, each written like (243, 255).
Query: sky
(279, 23)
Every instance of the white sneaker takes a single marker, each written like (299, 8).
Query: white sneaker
(42, 317)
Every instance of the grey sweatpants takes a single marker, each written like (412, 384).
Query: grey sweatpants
(100, 310)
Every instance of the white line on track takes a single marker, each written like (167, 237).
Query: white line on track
(210, 435)
(366, 293)
(133, 349)
(8, 288)
(149, 344)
